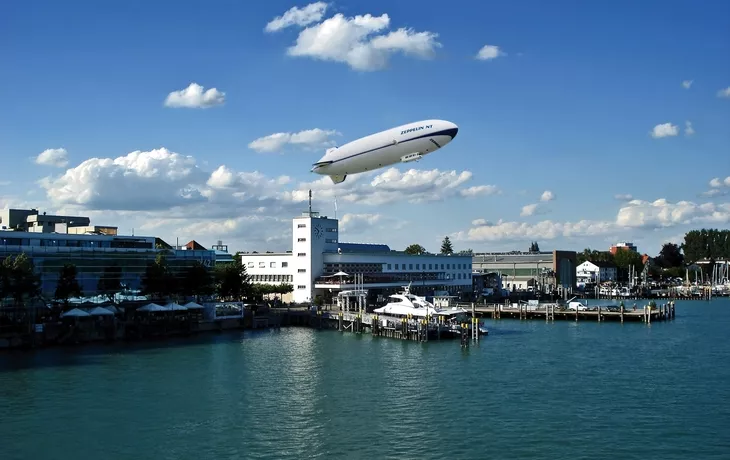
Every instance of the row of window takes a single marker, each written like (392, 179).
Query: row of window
(431, 267)
(270, 278)
(71, 243)
(271, 265)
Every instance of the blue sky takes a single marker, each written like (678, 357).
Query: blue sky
(566, 104)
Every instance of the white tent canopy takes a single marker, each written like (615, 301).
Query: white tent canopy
(150, 307)
(174, 307)
(75, 313)
(194, 306)
(100, 311)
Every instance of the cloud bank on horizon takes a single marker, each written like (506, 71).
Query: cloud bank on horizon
(249, 197)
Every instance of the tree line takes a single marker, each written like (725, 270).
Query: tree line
(673, 259)
(20, 282)
(446, 248)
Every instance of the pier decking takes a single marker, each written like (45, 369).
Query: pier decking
(422, 330)
(552, 311)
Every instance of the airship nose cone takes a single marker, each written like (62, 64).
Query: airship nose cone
(451, 132)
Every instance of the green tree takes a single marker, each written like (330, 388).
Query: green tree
(197, 281)
(625, 259)
(594, 256)
(706, 244)
(232, 281)
(158, 280)
(670, 256)
(415, 249)
(259, 290)
(446, 247)
(534, 248)
(67, 286)
(466, 252)
(110, 282)
(18, 279)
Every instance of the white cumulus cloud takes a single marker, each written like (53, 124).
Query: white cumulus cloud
(310, 138)
(53, 157)
(488, 52)
(195, 97)
(635, 216)
(662, 213)
(664, 130)
(544, 230)
(547, 195)
(686, 84)
(688, 129)
(724, 92)
(480, 190)
(623, 197)
(296, 16)
(529, 210)
(157, 179)
(392, 185)
(718, 187)
(170, 194)
(362, 42)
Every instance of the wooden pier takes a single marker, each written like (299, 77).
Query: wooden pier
(414, 329)
(648, 313)
(469, 331)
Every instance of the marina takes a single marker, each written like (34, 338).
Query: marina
(295, 388)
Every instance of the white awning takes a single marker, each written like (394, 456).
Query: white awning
(100, 311)
(194, 306)
(152, 307)
(75, 313)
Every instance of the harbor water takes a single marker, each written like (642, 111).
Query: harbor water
(531, 389)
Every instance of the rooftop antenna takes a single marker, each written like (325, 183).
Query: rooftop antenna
(335, 207)
(310, 203)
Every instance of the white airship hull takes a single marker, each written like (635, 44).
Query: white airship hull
(402, 144)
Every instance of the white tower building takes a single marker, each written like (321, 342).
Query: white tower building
(312, 235)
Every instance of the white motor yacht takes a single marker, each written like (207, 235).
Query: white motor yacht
(405, 304)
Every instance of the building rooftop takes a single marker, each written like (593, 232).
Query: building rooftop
(512, 257)
(363, 247)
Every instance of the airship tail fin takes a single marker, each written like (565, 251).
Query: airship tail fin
(337, 179)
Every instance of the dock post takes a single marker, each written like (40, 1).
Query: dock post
(599, 313)
(340, 320)
(648, 318)
(475, 331)
(622, 312)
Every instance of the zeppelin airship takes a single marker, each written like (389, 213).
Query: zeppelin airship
(402, 144)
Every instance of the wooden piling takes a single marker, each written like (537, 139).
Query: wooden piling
(622, 312)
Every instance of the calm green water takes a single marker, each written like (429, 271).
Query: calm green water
(529, 390)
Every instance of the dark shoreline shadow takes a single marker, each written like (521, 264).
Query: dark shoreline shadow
(92, 353)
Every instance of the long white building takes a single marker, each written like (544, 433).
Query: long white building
(317, 256)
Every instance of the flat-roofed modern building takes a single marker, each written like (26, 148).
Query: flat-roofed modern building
(92, 253)
(320, 265)
(521, 271)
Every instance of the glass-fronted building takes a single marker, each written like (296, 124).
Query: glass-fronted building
(92, 253)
